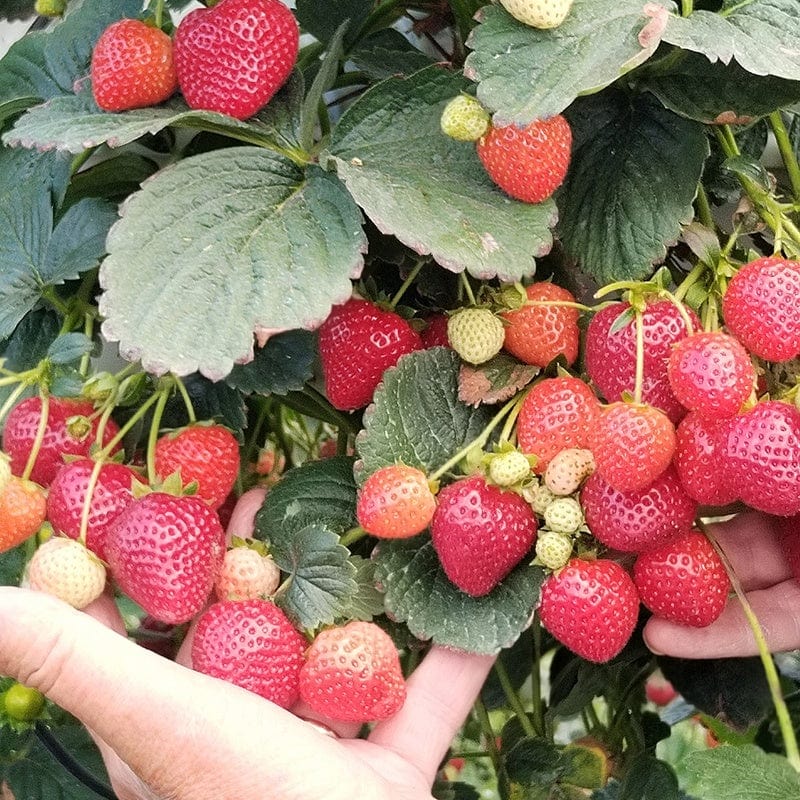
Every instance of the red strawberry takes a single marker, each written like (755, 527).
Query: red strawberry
(557, 413)
(711, 373)
(252, 644)
(353, 673)
(683, 581)
(659, 690)
(591, 607)
(760, 455)
(761, 307)
(480, 533)
(635, 521)
(395, 502)
(132, 66)
(22, 511)
(232, 58)
(536, 334)
(204, 454)
(71, 430)
(697, 461)
(164, 552)
(632, 445)
(111, 496)
(435, 334)
(611, 357)
(529, 163)
(358, 342)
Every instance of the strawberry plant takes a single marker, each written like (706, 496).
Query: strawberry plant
(495, 305)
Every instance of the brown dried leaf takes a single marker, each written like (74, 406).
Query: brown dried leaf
(495, 381)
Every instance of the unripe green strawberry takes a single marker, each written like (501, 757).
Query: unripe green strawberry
(564, 515)
(553, 549)
(568, 469)
(539, 497)
(464, 118)
(476, 334)
(506, 469)
(538, 13)
(50, 8)
(22, 703)
(66, 569)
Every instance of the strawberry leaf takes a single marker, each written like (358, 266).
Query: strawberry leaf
(418, 593)
(265, 246)
(284, 364)
(388, 53)
(761, 35)
(633, 177)
(525, 73)
(495, 381)
(12, 563)
(322, 18)
(429, 190)
(416, 417)
(367, 601)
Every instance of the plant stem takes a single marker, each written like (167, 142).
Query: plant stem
(536, 677)
(87, 501)
(514, 699)
(352, 536)
(11, 400)
(187, 401)
(704, 207)
(152, 438)
(44, 414)
(464, 281)
(488, 732)
(687, 6)
(690, 280)
(638, 386)
(408, 281)
(787, 151)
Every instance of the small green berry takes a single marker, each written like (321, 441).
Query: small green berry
(50, 8)
(553, 549)
(464, 118)
(564, 515)
(23, 704)
(476, 334)
(539, 497)
(506, 469)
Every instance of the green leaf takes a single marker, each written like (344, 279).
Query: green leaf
(69, 347)
(388, 53)
(531, 767)
(429, 190)
(524, 73)
(634, 174)
(12, 563)
(211, 400)
(416, 417)
(761, 35)
(284, 364)
(322, 18)
(78, 241)
(650, 779)
(112, 179)
(321, 578)
(16, 9)
(418, 593)
(740, 773)
(265, 246)
(317, 493)
(367, 601)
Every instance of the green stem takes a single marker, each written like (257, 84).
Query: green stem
(44, 414)
(770, 671)
(81, 159)
(511, 420)
(687, 6)
(352, 536)
(407, 282)
(88, 329)
(489, 734)
(787, 151)
(690, 280)
(464, 281)
(128, 426)
(87, 501)
(514, 699)
(187, 401)
(638, 386)
(152, 438)
(536, 677)
(704, 207)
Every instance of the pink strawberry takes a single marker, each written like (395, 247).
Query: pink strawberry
(111, 496)
(234, 57)
(353, 673)
(246, 574)
(164, 553)
(683, 581)
(358, 342)
(252, 644)
(591, 607)
(640, 520)
(71, 430)
(480, 533)
(761, 307)
(557, 413)
(67, 570)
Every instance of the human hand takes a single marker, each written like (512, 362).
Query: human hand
(752, 542)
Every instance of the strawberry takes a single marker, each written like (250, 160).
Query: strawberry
(553, 549)
(591, 607)
(464, 119)
(112, 494)
(563, 515)
(352, 673)
(697, 461)
(659, 690)
(71, 430)
(539, 497)
(711, 373)
(536, 334)
(395, 502)
(568, 469)
(67, 570)
(234, 57)
(251, 644)
(476, 334)
(611, 356)
(480, 533)
(246, 574)
(639, 520)
(759, 453)
(204, 454)
(683, 581)
(509, 468)
(761, 307)
(538, 13)
(50, 8)
(557, 413)
(164, 553)
(358, 342)
(632, 445)
(528, 163)
(22, 703)
(132, 66)
(22, 511)
(435, 332)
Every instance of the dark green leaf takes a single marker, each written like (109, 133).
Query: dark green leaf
(69, 347)
(388, 53)
(749, 168)
(112, 179)
(649, 779)
(722, 185)
(284, 364)
(211, 400)
(16, 9)
(281, 118)
(78, 241)
(418, 593)
(12, 562)
(367, 601)
(531, 767)
(429, 190)
(633, 177)
(322, 18)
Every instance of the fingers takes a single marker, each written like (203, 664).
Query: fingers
(242, 519)
(441, 692)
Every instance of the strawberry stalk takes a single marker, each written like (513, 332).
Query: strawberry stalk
(352, 536)
(88, 330)
(187, 401)
(787, 151)
(421, 262)
(704, 208)
(155, 425)
(40, 430)
(491, 737)
(514, 700)
(770, 671)
(87, 501)
(639, 379)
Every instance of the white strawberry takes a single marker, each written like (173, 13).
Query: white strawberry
(567, 470)
(476, 334)
(553, 549)
(539, 496)
(464, 119)
(66, 569)
(246, 575)
(538, 13)
(509, 468)
(564, 515)
(5, 470)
